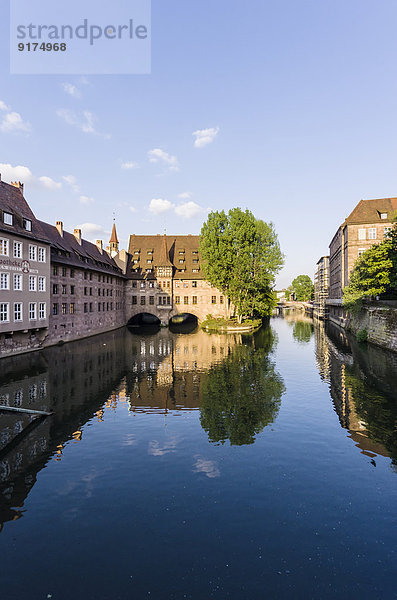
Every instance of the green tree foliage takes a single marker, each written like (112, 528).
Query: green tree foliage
(371, 275)
(302, 331)
(241, 256)
(241, 395)
(303, 288)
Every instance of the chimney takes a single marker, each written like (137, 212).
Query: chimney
(59, 226)
(77, 235)
(17, 184)
(99, 246)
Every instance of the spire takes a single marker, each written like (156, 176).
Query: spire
(114, 242)
(164, 259)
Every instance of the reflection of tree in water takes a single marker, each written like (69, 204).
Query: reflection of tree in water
(378, 412)
(240, 396)
(303, 331)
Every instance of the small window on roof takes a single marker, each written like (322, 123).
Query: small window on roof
(27, 224)
(8, 218)
(383, 215)
(136, 251)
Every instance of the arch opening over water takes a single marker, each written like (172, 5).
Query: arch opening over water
(144, 320)
(183, 323)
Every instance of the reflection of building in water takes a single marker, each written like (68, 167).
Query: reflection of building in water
(338, 361)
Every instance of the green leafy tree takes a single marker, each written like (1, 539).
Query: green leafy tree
(302, 331)
(303, 288)
(241, 395)
(241, 256)
(372, 274)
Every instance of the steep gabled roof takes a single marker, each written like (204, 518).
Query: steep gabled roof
(113, 237)
(369, 211)
(12, 201)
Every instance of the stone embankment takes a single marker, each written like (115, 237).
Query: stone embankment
(380, 323)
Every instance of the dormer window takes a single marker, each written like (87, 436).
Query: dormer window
(383, 215)
(8, 218)
(27, 224)
(136, 252)
(181, 260)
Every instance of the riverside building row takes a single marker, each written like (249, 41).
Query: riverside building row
(56, 287)
(366, 225)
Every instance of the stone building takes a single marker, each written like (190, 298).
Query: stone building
(321, 287)
(87, 287)
(365, 226)
(24, 273)
(165, 279)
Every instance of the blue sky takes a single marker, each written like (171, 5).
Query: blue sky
(293, 104)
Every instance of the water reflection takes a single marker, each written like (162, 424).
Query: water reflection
(362, 380)
(241, 395)
(230, 378)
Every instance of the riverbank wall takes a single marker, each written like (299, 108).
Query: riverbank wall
(380, 323)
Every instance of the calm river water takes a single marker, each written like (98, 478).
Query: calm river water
(201, 466)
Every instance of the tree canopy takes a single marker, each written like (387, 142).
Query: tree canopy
(303, 288)
(241, 256)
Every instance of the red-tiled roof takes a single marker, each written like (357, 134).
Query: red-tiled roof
(369, 211)
(113, 237)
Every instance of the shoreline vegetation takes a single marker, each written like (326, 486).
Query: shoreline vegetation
(221, 325)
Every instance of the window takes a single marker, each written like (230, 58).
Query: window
(55, 308)
(18, 311)
(27, 224)
(54, 288)
(194, 300)
(372, 233)
(361, 234)
(148, 261)
(32, 283)
(85, 307)
(181, 260)
(213, 299)
(194, 284)
(177, 299)
(72, 290)
(91, 309)
(17, 249)
(18, 282)
(382, 216)
(55, 270)
(168, 300)
(143, 300)
(85, 291)
(71, 308)
(134, 284)
(185, 299)
(142, 284)
(41, 284)
(41, 254)
(4, 312)
(134, 299)
(195, 261)
(32, 252)
(4, 281)
(151, 300)
(71, 272)
(64, 271)
(32, 311)
(64, 308)
(42, 310)
(7, 217)
(195, 270)
(220, 299)
(151, 284)
(3, 247)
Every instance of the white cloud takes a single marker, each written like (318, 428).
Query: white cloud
(92, 231)
(12, 121)
(205, 136)
(72, 182)
(155, 449)
(168, 160)
(129, 165)
(188, 210)
(185, 195)
(87, 200)
(208, 467)
(85, 121)
(71, 89)
(160, 205)
(49, 183)
(132, 209)
(3, 106)
(25, 175)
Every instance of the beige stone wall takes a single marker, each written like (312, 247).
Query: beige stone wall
(356, 245)
(380, 323)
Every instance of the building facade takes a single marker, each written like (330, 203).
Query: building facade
(165, 279)
(368, 224)
(321, 287)
(24, 273)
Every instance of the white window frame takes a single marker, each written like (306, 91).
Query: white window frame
(362, 234)
(32, 311)
(42, 284)
(18, 249)
(10, 217)
(4, 312)
(41, 254)
(42, 310)
(372, 233)
(20, 312)
(4, 281)
(32, 252)
(18, 277)
(32, 283)
(383, 215)
(27, 224)
(4, 246)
